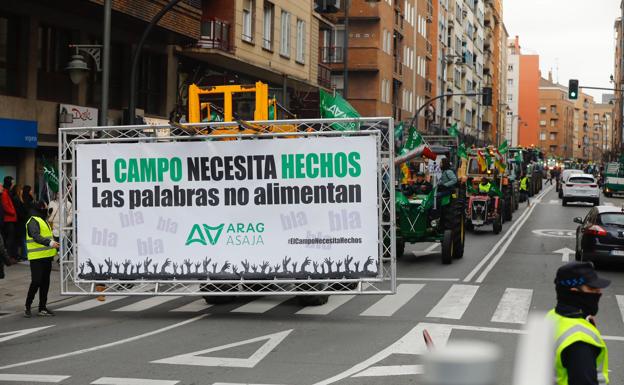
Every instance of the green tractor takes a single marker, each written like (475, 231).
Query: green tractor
(613, 179)
(432, 216)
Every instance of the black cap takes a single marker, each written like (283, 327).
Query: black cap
(8, 180)
(575, 274)
(420, 173)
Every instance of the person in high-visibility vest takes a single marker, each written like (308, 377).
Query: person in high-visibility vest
(41, 250)
(581, 355)
(524, 188)
(485, 186)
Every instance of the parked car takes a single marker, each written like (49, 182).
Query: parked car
(565, 174)
(580, 188)
(600, 236)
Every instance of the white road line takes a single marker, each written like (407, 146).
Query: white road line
(334, 302)
(428, 279)
(261, 305)
(192, 307)
(513, 306)
(454, 303)
(620, 302)
(22, 378)
(390, 370)
(147, 303)
(104, 346)
(389, 304)
(5, 336)
(90, 304)
(132, 381)
(432, 247)
(238, 383)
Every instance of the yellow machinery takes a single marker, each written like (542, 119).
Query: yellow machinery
(234, 103)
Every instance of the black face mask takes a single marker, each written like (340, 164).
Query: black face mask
(586, 302)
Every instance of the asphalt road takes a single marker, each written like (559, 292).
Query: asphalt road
(352, 340)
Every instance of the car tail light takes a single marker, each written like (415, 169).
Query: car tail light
(593, 185)
(596, 230)
(569, 185)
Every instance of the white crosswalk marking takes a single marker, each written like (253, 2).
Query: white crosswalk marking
(620, 302)
(513, 306)
(261, 305)
(28, 378)
(90, 304)
(131, 381)
(455, 302)
(334, 302)
(192, 307)
(389, 304)
(147, 303)
(390, 370)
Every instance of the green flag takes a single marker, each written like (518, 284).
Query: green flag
(271, 112)
(504, 147)
(470, 189)
(427, 203)
(518, 157)
(453, 131)
(338, 107)
(398, 131)
(488, 158)
(414, 139)
(461, 151)
(50, 175)
(400, 198)
(494, 188)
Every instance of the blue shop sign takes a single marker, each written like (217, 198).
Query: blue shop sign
(18, 133)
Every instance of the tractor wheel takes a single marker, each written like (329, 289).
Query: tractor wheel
(400, 248)
(497, 225)
(459, 238)
(447, 247)
(508, 208)
(501, 209)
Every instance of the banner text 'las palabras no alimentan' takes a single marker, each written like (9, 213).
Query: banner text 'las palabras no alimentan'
(231, 209)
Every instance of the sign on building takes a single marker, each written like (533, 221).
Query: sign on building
(77, 116)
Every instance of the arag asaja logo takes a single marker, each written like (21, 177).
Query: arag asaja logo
(236, 234)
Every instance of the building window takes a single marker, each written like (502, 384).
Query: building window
(52, 81)
(543, 110)
(510, 68)
(383, 91)
(301, 41)
(456, 110)
(553, 136)
(248, 20)
(510, 82)
(553, 109)
(285, 36)
(510, 97)
(542, 136)
(151, 87)
(542, 123)
(267, 27)
(9, 67)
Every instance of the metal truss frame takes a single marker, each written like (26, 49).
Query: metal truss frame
(382, 128)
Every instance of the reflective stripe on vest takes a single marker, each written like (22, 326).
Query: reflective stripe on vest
(571, 330)
(523, 183)
(484, 188)
(37, 250)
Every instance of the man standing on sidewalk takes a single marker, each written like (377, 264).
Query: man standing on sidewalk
(10, 218)
(41, 248)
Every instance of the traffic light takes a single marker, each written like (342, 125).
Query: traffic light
(573, 89)
(487, 96)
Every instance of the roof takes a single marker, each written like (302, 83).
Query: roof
(609, 209)
(581, 176)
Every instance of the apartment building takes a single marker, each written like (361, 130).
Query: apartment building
(493, 73)
(618, 83)
(583, 131)
(556, 119)
(602, 131)
(36, 92)
(523, 78)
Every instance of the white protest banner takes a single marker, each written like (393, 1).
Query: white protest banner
(228, 209)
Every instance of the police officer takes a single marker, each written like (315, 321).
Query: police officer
(524, 188)
(581, 356)
(41, 249)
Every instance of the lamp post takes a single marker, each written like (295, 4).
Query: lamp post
(137, 55)
(100, 54)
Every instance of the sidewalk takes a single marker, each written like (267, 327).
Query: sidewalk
(14, 286)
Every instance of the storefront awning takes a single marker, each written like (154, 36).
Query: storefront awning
(18, 133)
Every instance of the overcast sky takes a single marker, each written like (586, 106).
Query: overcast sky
(577, 36)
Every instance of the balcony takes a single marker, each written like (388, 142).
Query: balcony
(398, 67)
(215, 34)
(324, 76)
(398, 21)
(331, 55)
(429, 50)
(428, 87)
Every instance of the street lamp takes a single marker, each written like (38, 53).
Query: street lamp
(77, 67)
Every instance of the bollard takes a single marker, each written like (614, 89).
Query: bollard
(462, 363)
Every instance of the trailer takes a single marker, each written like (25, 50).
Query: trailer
(175, 210)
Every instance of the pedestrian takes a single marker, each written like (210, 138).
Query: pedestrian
(581, 355)
(524, 188)
(10, 218)
(551, 175)
(41, 249)
(22, 217)
(4, 257)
